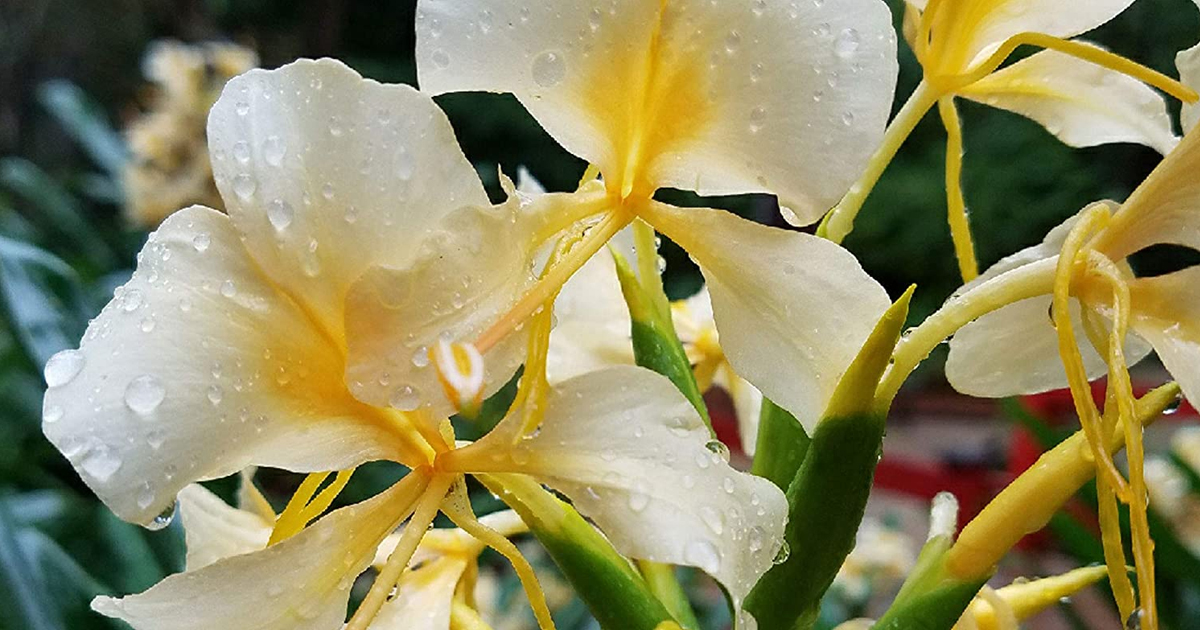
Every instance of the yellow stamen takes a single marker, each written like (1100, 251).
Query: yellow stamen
(1068, 348)
(554, 278)
(459, 510)
(960, 226)
(1076, 49)
(921, 44)
(426, 509)
(288, 523)
(589, 175)
(325, 498)
(463, 617)
(1119, 384)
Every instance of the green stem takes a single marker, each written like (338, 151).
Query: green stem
(840, 221)
(661, 580)
(781, 445)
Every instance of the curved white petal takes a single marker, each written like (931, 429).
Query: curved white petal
(424, 597)
(463, 279)
(1081, 103)
(302, 583)
(593, 325)
(1166, 311)
(717, 97)
(216, 530)
(199, 368)
(1188, 63)
(1014, 351)
(970, 29)
(793, 310)
(1161, 210)
(326, 174)
(632, 454)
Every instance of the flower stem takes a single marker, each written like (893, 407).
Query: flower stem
(840, 221)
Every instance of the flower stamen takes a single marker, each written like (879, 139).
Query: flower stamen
(460, 371)
(956, 206)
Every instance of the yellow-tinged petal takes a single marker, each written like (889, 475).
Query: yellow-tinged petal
(1188, 63)
(966, 30)
(1162, 210)
(747, 404)
(792, 309)
(593, 325)
(302, 583)
(1081, 103)
(216, 530)
(717, 97)
(634, 456)
(198, 368)
(326, 174)
(424, 597)
(1166, 311)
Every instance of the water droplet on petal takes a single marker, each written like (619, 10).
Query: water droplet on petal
(274, 150)
(163, 519)
(51, 414)
(131, 301)
(201, 242)
(280, 213)
(62, 367)
(713, 519)
(719, 449)
(405, 398)
(144, 394)
(241, 152)
(845, 45)
(242, 108)
(228, 289)
(549, 69)
(215, 394)
(244, 186)
(100, 464)
(440, 58)
(639, 498)
(785, 552)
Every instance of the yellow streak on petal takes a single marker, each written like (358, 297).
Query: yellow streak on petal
(960, 226)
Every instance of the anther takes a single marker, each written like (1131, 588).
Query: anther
(460, 371)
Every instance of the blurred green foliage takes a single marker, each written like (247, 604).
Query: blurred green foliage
(70, 78)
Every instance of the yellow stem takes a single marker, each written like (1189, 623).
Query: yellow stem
(460, 512)
(1025, 282)
(554, 278)
(422, 517)
(288, 523)
(956, 206)
(1079, 50)
(840, 221)
(921, 44)
(463, 617)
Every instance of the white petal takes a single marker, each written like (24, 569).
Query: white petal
(326, 174)
(1081, 103)
(1163, 209)
(1166, 311)
(199, 368)
(302, 583)
(1188, 63)
(632, 454)
(593, 329)
(771, 95)
(216, 530)
(424, 597)
(1014, 351)
(978, 27)
(793, 310)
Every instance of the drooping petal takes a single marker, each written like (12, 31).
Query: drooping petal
(1014, 351)
(971, 29)
(792, 309)
(424, 597)
(633, 455)
(1163, 209)
(198, 368)
(593, 325)
(302, 583)
(1188, 63)
(716, 97)
(1166, 311)
(326, 174)
(216, 530)
(1081, 103)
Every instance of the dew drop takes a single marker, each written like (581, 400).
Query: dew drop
(244, 187)
(163, 519)
(847, 118)
(241, 152)
(440, 58)
(51, 414)
(785, 552)
(789, 215)
(639, 498)
(144, 394)
(215, 394)
(713, 519)
(100, 464)
(758, 117)
(327, 192)
(148, 324)
(280, 213)
(755, 539)
(242, 108)
(145, 496)
(228, 289)
(201, 242)
(405, 398)
(733, 41)
(845, 45)
(132, 300)
(62, 367)
(719, 449)
(1174, 405)
(549, 69)
(420, 358)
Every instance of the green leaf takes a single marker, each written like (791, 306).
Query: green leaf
(25, 598)
(55, 210)
(781, 445)
(929, 599)
(42, 298)
(828, 496)
(84, 119)
(656, 346)
(616, 593)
